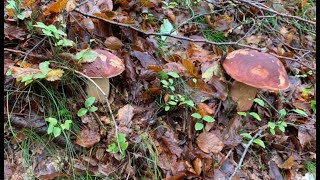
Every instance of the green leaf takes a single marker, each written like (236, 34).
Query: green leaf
(163, 75)
(122, 137)
(259, 142)
(89, 101)
(21, 16)
(9, 72)
(165, 82)
(56, 131)
(173, 74)
(246, 135)
(47, 33)
(93, 109)
(282, 123)
(26, 78)
(196, 115)
(167, 108)
(170, 81)
(124, 145)
(66, 125)
(189, 102)
(44, 67)
(281, 128)
(299, 111)
(242, 114)
(207, 75)
(41, 25)
(38, 76)
(255, 115)
(82, 112)
(313, 105)
(271, 125)
(282, 112)
(166, 28)
(51, 120)
(208, 119)
(113, 148)
(259, 101)
(273, 132)
(50, 129)
(65, 43)
(87, 55)
(172, 103)
(172, 88)
(194, 80)
(198, 126)
(11, 4)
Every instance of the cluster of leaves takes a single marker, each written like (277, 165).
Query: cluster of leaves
(113, 148)
(54, 128)
(199, 125)
(88, 107)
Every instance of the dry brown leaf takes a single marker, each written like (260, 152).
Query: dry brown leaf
(124, 117)
(14, 32)
(197, 53)
(288, 163)
(71, 4)
(306, 134)
(209, 142)
(18, 72)
(113, 43)
(56, 7)
(54, 74)
(204, 109)
(88, 138)
(254, 39)
(243, 95)
(197, 165)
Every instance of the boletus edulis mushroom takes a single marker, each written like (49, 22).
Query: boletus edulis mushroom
(105, 66)
(256, 69)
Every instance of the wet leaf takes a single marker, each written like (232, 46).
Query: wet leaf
(88, 138)
(113, 43)
(209, 142)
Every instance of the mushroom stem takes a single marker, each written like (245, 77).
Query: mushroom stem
(93, 91)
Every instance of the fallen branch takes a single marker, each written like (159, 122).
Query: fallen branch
(245, 151)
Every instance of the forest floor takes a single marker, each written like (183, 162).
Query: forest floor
(173, 112)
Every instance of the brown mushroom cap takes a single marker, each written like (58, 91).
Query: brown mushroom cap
(106, 65)
(256, 69)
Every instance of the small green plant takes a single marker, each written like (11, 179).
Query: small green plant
(311, 167)
(309, 73)
(281, 125)
(16, 9)
(56, 129)
(199, 125)
(168, 81)
(113, 148)
(253, 114)
(170, 5)
(57, 34)
(88, 107)
(256, 141)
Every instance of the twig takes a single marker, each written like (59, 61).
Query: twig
(148, 33)
(296, 60)
(262, 7)
(245, 152)
(34, 47)
(107, 100)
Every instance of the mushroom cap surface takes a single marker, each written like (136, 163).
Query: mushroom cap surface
(257, 69)
(106, 65)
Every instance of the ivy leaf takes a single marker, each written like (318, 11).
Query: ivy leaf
(246, 135)
(259, 142)
(166, 28)
(173, 74)
(208, 119)
(259, 101)
(255, 115)
(51, 120)
(196, 115)
(89, 101)
(299, 111)
(198, 126)
(82, 112)
(56, 131)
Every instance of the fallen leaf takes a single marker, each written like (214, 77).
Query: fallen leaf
(197, 53)
(209, 142)
(54, 74)
(18, 72)
(197, 165)
(88, 138)
(243, 95)
(14, 32)
(124, 117)
(144, 58)
(306, 134)
(56, 7)
(288, 163)
(172, 146)
(204, 109)
(71, 5)
(113, 43)
(254, 39)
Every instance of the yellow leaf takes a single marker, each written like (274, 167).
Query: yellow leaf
(54, 74)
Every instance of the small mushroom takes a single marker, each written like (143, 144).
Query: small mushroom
(105, 66)
(257, 69)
